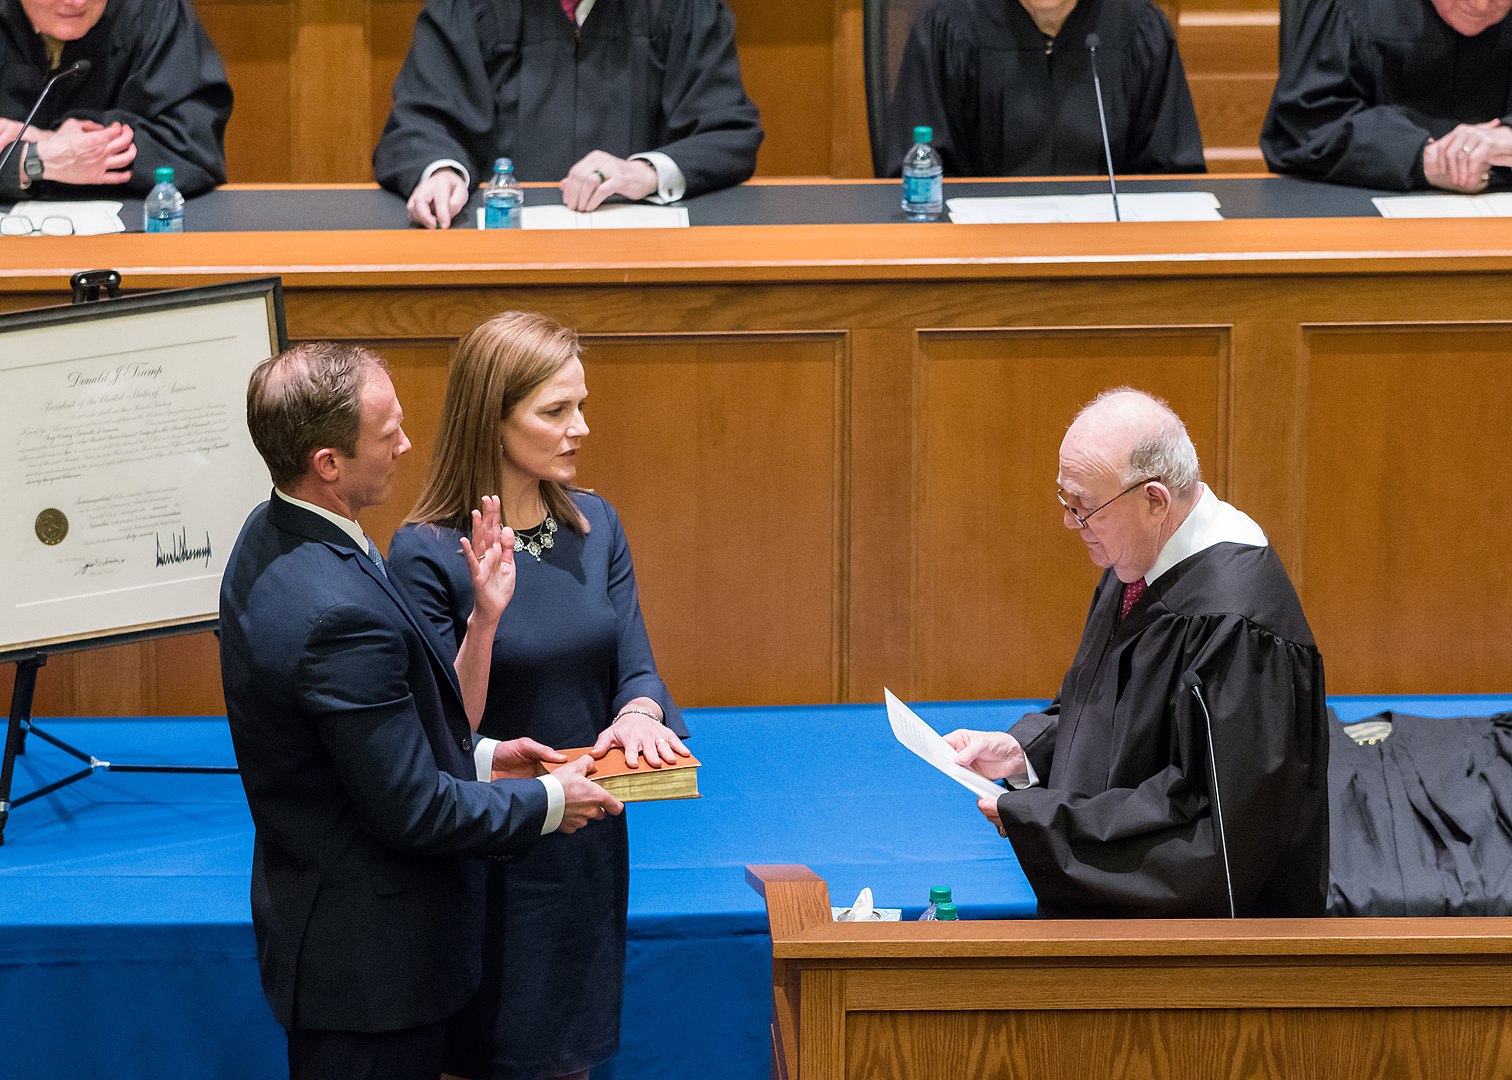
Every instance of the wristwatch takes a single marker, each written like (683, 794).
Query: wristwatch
(31, 164)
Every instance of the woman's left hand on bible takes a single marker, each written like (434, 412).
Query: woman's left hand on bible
(641, 737)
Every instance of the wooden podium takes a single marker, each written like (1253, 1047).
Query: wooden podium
(1190, 999)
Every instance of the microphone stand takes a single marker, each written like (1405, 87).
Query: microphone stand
(1194, 684)
(1102, 121)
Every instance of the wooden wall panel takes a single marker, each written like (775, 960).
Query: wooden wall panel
(1001, 586)
(392, 22)
(1215, 1044)
(1404, 460)
(255, 39)
(738, 566)
(1230, 58)
(724, 457)
(786, 53)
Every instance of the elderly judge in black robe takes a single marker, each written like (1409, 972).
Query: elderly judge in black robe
(637, 98)
(1110, 807)
(1007, 87)
(155, 95)
(1394, 94)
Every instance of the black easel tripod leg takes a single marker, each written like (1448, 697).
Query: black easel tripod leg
(22, 692)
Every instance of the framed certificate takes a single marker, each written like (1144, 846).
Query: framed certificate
(126, 469)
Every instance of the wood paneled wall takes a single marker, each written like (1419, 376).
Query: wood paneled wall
(313, 78)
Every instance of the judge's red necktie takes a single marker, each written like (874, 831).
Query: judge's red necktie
(1132, 591)
(569, 7)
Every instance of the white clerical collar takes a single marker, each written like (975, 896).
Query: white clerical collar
(1212, 521)
(345, 524)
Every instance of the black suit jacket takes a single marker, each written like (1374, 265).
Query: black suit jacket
(355, 753)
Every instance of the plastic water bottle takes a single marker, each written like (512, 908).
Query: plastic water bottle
(946, 912)
(923, 192)
(502, 198)
(938, 894)
(164, 209)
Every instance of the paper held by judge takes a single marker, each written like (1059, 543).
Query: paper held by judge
(928, 744)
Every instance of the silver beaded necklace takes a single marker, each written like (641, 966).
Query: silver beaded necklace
(536, 539)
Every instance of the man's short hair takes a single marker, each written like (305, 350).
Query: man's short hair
(307, 397)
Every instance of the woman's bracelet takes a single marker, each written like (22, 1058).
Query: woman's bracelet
(642, 712)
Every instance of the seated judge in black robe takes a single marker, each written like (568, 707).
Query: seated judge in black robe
(1110, 807)
(1007, 87)
(637, 98)
(1394, 94)
(155, 95)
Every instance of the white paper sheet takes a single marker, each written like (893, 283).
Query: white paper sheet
(924, 741)
(1043, 209)
(89, 218)
(1497, 204)
(614, 216)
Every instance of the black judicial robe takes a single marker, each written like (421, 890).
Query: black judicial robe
(1366, 83)
(510, 78)
(1420, 819)
(153, 67)
(977, 71)
(1122, 825)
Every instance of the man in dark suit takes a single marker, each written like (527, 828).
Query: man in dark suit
(354, 741)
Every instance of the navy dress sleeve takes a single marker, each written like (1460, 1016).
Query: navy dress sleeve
(426, 564)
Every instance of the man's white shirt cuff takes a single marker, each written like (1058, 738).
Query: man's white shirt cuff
(447, 163)
(556, 798)
(671, 185)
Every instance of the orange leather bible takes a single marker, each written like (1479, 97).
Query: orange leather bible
(641, 784)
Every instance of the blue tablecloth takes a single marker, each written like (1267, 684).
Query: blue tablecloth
(126, 945)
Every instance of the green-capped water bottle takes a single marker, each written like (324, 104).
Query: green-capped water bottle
(163, 211)
(923, 187)
(938, 894)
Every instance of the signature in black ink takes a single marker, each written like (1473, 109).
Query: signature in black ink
(105, 565)
(179, 551)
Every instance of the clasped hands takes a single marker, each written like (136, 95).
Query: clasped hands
(80, 151)
(438, 198)
(1461, 161)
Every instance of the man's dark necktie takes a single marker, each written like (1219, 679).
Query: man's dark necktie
(1131, 594)
(377, 558)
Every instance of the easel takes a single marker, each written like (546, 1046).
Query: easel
(21, 724)
(86, 287)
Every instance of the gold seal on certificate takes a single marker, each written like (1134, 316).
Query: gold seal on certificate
(52, 526)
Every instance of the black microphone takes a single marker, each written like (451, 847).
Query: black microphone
(1190, 680)
(1102, 120)
(78, 67)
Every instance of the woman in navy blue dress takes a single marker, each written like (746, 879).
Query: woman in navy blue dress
(572, 666)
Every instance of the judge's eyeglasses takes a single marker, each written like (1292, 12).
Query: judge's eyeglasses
(21, 225)
(1082, 519)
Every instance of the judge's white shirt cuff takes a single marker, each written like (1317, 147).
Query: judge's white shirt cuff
(671, 185)
(1027, 778)
(556, 798)
(447, 163)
